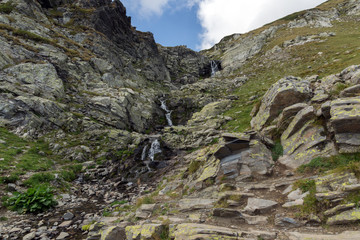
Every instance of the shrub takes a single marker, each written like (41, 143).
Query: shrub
(39, 179)
(144, 200)
(32, 201)
(9, 179)
(194, 166)
(7, 7)
(277, 151)
(345, 161)
(310, 203)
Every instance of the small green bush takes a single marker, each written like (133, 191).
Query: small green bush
(31, 36)
(39, 179)
(194, 166)
(32, 201)
(277, 151)
(7, 7)
(69, 173)
(305, 185)
(345, 161)
(9, 179)
(310, 202)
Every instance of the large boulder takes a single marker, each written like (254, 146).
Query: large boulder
(286, 92)
(345, 122)
(242, 156)
(305, 144)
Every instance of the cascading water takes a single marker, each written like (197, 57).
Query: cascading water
(154, 149)
(214, 67)
(143, 154)
(167, 112)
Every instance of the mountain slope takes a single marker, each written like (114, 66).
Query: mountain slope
(267, 148)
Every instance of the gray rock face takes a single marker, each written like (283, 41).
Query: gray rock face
(315, 18)
(284, 93)
(302, 138)
(345, 121)
(288, 114)
(241, 156)
(59, 80)
(241, 48)
(35, 79)
(179, 59)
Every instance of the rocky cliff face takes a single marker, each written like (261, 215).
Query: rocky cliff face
(83, 57)
(263, 149)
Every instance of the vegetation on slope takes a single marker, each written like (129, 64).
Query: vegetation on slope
(314, 58)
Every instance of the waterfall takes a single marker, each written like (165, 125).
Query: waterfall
(154, 149)
(143, 154)
(167, 112)
(214, 67)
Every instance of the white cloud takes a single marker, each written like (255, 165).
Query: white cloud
(224, 17)
(220, 18)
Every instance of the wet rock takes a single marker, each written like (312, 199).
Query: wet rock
(257, 205)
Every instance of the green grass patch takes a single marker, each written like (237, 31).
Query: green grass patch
(70, 172)
(340, 162)
(9, 179)
(277, 151)
(310, 203)
(7, 7)
(194, 166)
(144, 200)
(339, 87)
(39, 179)
(337, 53)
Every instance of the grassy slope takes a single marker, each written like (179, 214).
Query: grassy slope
(338, 52)
(32, 163)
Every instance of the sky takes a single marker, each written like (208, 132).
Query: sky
(200, 24)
